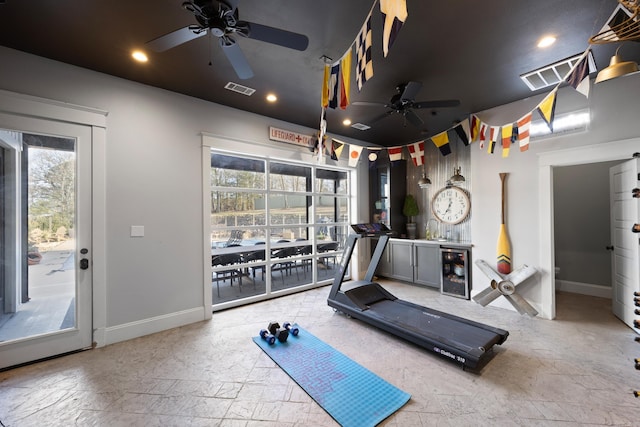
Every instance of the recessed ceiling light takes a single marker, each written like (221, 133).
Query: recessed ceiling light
(346, 122)
(546, 41)
(139, 56)
(272, 98)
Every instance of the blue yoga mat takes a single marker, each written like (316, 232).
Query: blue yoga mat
(350, 393)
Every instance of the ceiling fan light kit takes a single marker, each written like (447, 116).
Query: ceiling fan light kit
(403, 103)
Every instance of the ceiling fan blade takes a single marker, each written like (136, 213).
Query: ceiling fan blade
(369, 104)
(278, 36)
(444, 103)
(410, 91)
(235, 56)
(413, 118)
(175, 38)
(380, 117)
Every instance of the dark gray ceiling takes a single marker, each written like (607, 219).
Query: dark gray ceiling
(467, 50)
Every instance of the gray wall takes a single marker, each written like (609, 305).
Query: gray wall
(153, 178)
(614, 107)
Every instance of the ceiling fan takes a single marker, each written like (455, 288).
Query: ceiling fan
(404, 103)
(220, 19)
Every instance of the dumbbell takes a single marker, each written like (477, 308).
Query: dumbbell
(280, 333)
(269, 338)
(293, 330)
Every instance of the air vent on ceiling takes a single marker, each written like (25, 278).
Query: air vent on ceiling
(553, 74)
(360, 126)
(239, 88)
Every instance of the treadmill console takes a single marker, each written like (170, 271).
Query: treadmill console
(372, 229)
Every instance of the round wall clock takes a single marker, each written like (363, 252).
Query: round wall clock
(451, 205)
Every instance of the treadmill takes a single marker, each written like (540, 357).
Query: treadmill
(460, 340)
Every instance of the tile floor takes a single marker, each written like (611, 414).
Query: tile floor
(577, 370)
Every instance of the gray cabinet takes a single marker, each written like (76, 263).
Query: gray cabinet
(427, 265)
(402, 260)
(411, 261)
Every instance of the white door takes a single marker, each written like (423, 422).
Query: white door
(45, 228)
(625, 212)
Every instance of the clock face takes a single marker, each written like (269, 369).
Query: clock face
(451, 205)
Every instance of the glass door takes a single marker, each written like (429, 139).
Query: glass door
(45, 215)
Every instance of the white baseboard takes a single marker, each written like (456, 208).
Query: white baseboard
(583, 288)
(127, 331)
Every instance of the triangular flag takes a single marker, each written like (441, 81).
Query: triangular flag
(325, 86)
(354, 154)
(336, 149)
(475, 127)
(395, 153)
(345, 79)
(463, 131)
(579, 76)
(494, 135)
(334, 85)
(506, 139)
(364, 65)
(524, 125)
(547, 109)
(442, 142)
(416, 151)
(394, 13)
(483, 135)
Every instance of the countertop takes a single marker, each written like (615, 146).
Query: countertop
(442, 243)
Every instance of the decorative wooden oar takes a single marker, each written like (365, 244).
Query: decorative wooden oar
(504, 249)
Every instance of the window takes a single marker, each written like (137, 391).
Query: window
(275, 225)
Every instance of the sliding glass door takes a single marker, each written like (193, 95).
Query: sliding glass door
(275, 225)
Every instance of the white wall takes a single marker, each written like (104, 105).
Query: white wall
(614, 107)
(153, 178)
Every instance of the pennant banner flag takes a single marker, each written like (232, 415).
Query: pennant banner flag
(475, 127)
(483, 135)
(345, 79)
(494, 135)
(364, 70)
(395, 153)
(394, 13)
(547, 108)
(506, 139)
(325, 86)
(579, 76)
(336, 149)
(334, 85)
(462, 134)
(417, 153)
(354, 154)
(373, 154)
(524, 125)
(442, 142)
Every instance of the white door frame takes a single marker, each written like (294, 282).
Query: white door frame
(26, 106)
(603, 152)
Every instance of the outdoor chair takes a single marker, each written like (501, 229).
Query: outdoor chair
(229, 260)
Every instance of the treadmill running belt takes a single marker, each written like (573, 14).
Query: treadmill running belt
(436, 325)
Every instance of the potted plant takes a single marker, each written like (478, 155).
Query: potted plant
(410, 209)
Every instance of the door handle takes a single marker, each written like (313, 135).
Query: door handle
(84, 262)
(609, 248)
